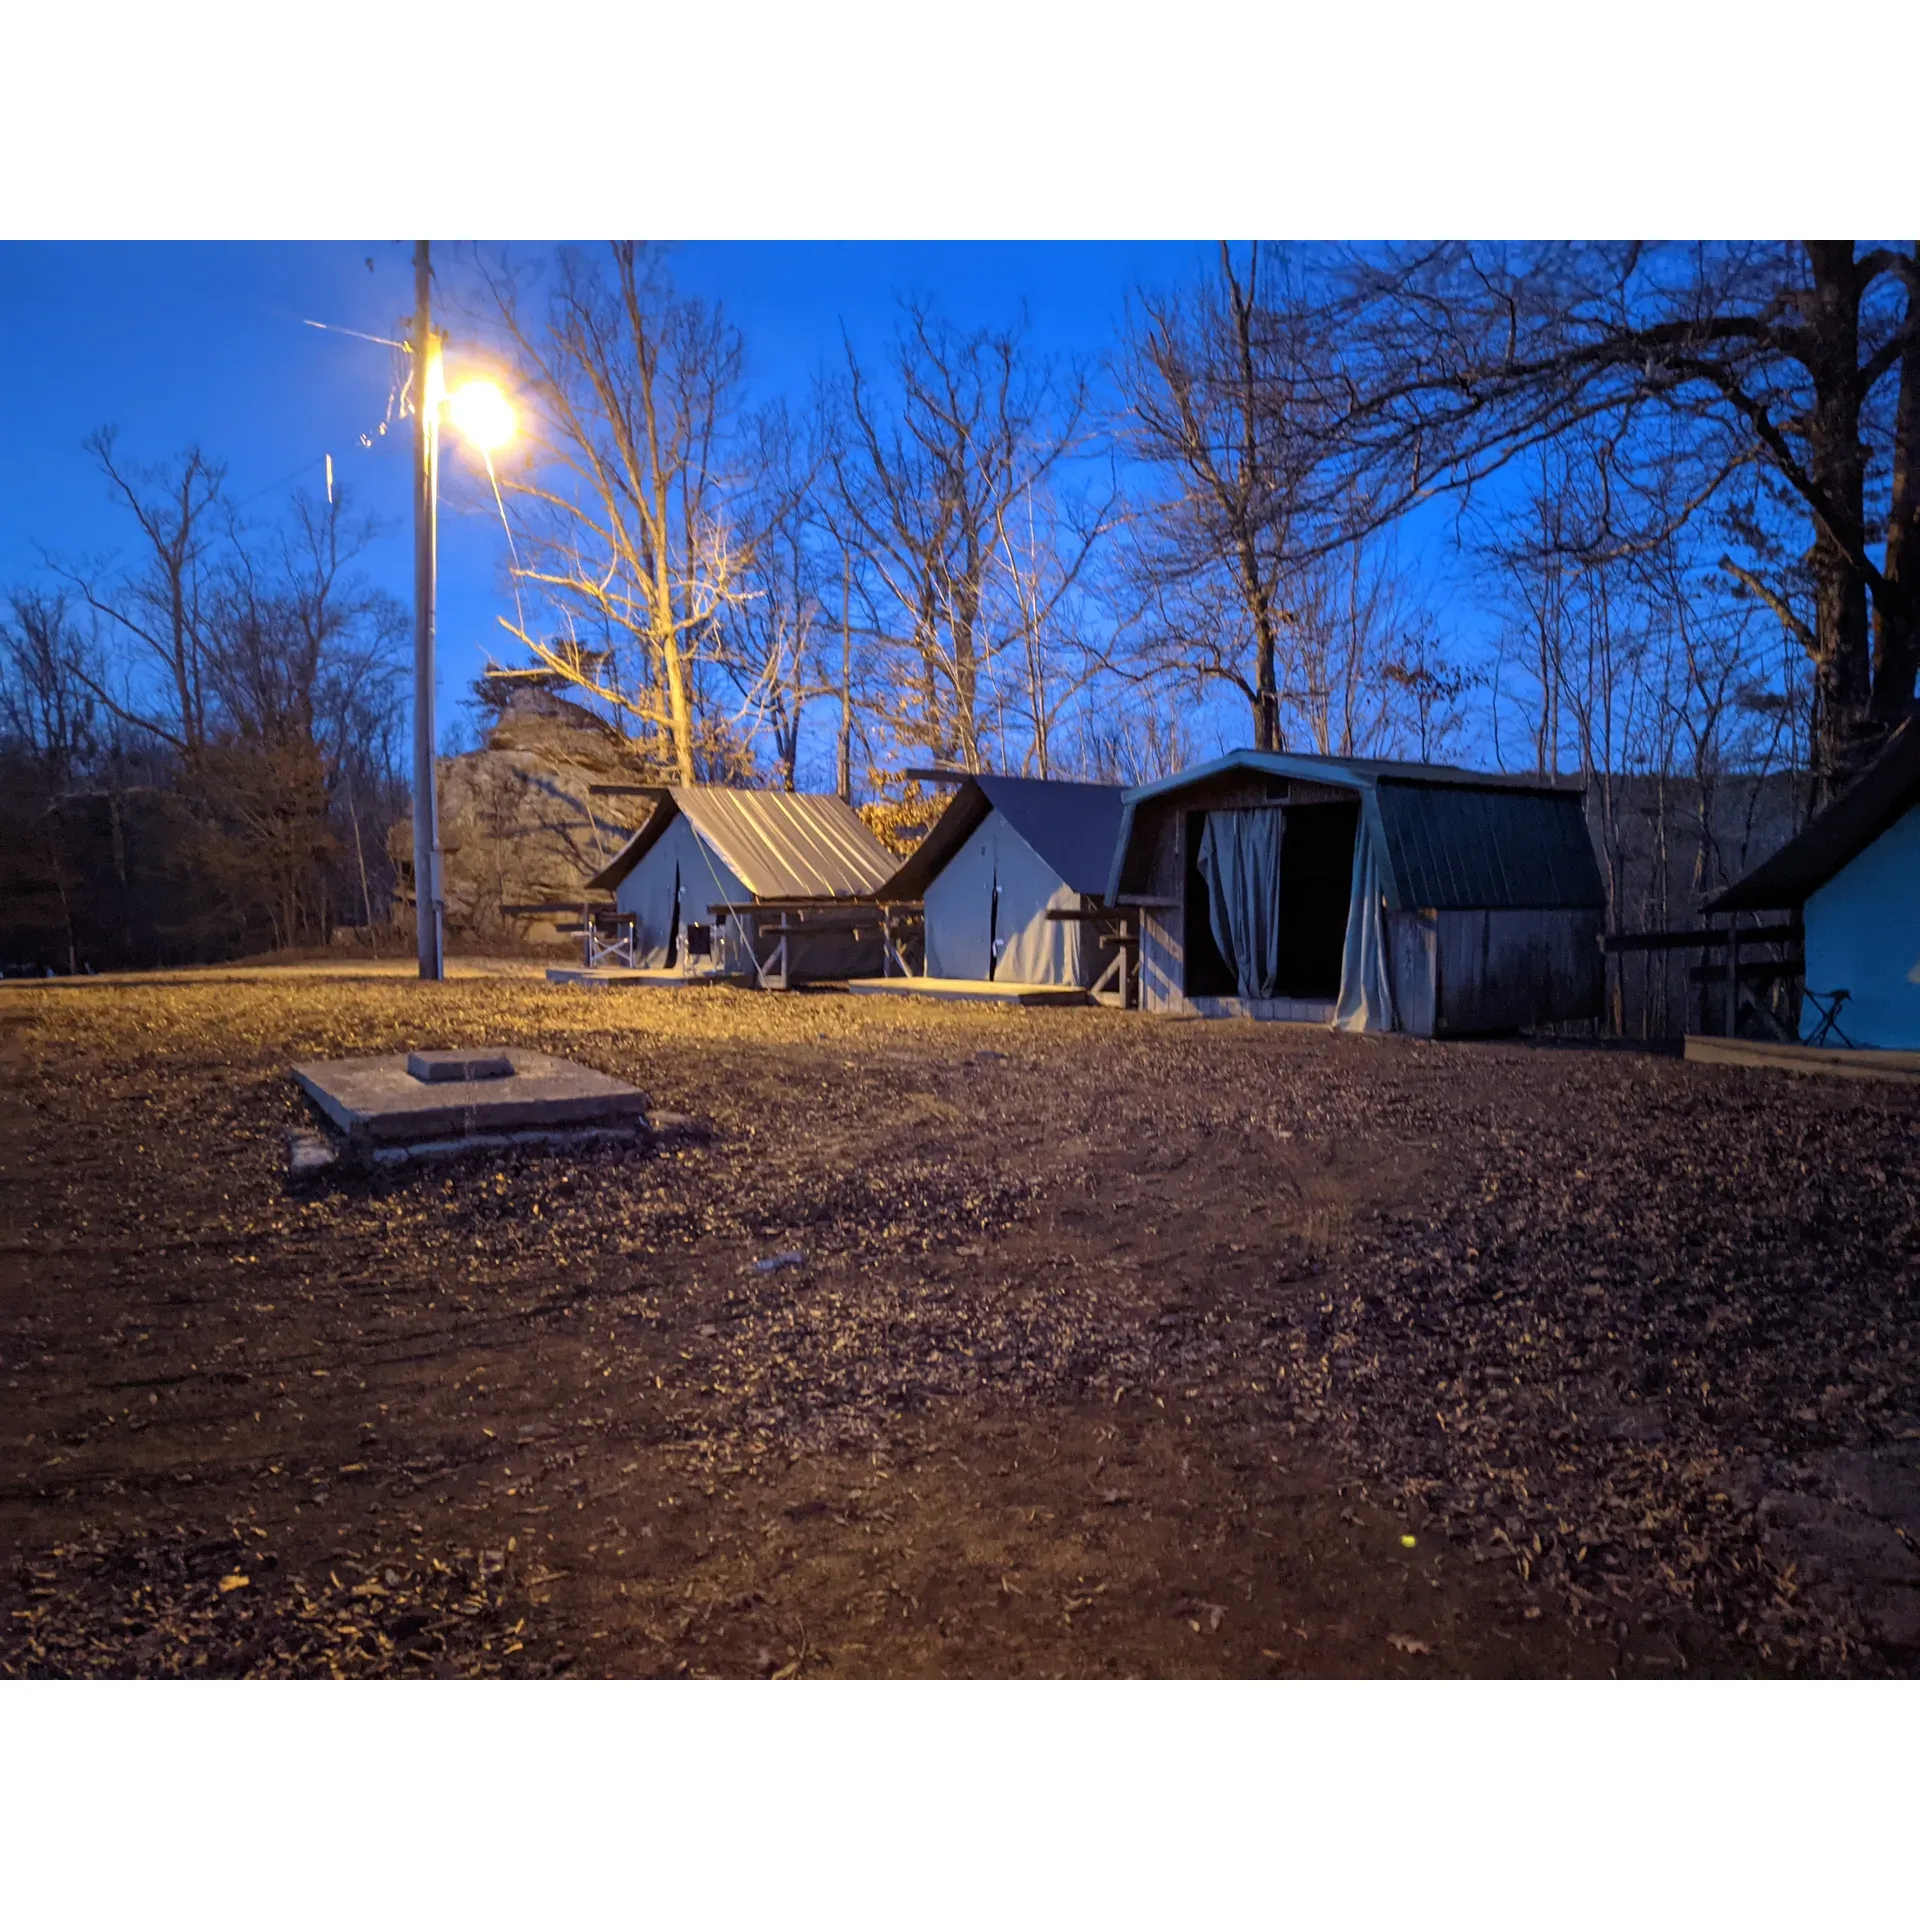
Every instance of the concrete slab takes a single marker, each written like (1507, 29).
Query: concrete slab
(375, 1100)
(1229, 1006)
(309, 1152)
(459, 1063)
(1858, 1063)
(1004, 993)
(642, 977)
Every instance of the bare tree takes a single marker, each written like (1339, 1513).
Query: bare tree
(1636, 673)
(1139, 733)
(776, 631)
(46, 706)
(930, 475)
(1059, 638)
(1215, 385)
(49, 732)
(1701, 363)
(157, 601)
(1365, 671)
(301, 666)
(629, 532)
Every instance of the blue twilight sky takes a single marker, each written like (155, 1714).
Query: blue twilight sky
(177, 343)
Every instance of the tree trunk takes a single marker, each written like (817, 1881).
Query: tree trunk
(1896, 612)
(673, 668)
(1266, 695)
(966, 689)
(1837, 465)
(845, 766)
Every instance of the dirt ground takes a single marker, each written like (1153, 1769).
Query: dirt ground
(1112, 1346)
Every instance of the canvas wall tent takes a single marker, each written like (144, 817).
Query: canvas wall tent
(1003, 854)
(1381, 895)
(703, 847)
(1854, 873)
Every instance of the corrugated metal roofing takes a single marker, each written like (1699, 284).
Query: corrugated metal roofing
(1838, 834)
(1460, 846)
(1070, 824)
(806, 846)
(1448, 837)
(1339, 770)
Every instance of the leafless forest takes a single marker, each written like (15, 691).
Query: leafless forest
(1676, 489)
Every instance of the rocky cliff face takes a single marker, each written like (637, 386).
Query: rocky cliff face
(517, 823)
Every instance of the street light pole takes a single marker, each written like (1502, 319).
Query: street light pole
(429, 909)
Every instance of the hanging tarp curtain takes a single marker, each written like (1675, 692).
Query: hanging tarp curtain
(1240, 861)
(1366, 993)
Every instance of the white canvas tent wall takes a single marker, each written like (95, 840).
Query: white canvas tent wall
(678, 880)
(986, 916)
(1004, 854)
(1853, 873)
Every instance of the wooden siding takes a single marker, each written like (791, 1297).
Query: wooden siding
(1157, 871)
(1412, 950)
(1163, 960)
(1500, 968)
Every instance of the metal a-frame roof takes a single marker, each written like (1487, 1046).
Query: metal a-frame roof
(1070, 824)
(1448, 837)
(1838, 834)
(783, 846)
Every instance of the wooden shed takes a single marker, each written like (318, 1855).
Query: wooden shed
(1853, 873)
(737, 881)
(1377, 895)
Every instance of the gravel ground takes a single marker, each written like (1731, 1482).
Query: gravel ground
(1103, 1345)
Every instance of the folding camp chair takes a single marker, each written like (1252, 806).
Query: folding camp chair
(696, 943)
(1827, 1006)
(608, 937)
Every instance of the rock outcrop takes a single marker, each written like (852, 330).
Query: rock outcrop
(518, 826)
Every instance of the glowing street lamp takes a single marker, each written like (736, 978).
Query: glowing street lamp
(483, 416)
(482, 413)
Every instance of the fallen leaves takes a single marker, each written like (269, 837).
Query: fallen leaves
(147, 1605)
(1057, 1249)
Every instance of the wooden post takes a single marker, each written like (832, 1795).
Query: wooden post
(427, 908)
(1733, 972)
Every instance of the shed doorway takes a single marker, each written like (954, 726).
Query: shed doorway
(1209, 973)
(1315, 887)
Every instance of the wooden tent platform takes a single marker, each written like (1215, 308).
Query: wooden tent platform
(643, 977)
(1002, 993)
(1856, 1063)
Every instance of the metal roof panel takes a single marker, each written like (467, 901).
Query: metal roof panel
(1463, 846)
(808, 846)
